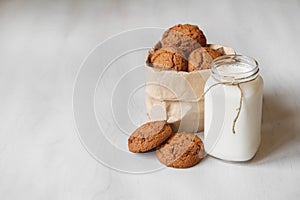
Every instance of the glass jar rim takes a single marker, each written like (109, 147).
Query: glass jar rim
(249, 65)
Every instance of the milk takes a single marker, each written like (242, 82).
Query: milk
(224, 138)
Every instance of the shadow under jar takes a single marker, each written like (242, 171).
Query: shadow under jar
(233, 108)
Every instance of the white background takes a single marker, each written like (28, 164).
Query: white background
(42, 44)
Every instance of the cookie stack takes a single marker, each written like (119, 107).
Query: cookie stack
(178, 150)
(183, 47)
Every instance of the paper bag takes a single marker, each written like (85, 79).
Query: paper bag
(177, 96)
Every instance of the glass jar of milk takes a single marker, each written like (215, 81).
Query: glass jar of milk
(233, 108)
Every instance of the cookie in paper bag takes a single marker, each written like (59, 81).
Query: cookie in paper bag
(169, 58)
(202, 57)
(185, 37)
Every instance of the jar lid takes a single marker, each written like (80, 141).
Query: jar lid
(234, 68)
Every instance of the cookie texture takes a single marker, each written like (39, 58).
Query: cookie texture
(169, 58)
(181, 150)
(186, 37)
(202, 57)
(148, 136)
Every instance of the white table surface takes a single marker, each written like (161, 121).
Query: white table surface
(42, 44)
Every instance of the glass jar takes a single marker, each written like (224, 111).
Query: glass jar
(233, 108)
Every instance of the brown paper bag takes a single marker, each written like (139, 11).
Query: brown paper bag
(177, 96)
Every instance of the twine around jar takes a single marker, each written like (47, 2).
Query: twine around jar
(241, 99)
